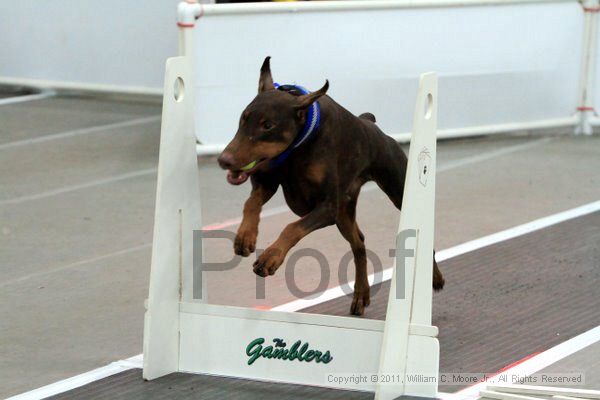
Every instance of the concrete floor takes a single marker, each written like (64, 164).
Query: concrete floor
(77, 187)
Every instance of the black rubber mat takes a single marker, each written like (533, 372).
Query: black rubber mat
(504, 302)
(130, 385)
(501, 303)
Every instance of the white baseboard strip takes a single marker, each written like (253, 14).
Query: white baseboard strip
(29, 97)
(81, 379)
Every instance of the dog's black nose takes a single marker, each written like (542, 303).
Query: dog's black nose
(226, 160)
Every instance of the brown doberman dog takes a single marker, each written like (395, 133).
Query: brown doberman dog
(321, 155)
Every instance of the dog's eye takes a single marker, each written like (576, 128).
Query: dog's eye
(267, 125)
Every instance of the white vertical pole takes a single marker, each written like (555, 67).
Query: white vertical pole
(585, 107)
(409, 342)
(187, 14)
(177, 215)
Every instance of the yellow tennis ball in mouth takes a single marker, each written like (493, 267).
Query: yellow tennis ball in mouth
(249, 166)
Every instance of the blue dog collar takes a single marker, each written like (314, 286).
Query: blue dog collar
(313, 120)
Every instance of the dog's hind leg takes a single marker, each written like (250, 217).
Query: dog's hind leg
(389, 174)
(346, 223)
(438, 278)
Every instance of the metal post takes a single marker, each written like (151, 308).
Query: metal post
(187, 13)
(585, 107)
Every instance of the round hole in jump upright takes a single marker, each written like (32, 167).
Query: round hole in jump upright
(428, 106)
(179, 89)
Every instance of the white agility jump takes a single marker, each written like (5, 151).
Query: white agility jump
(185, 334)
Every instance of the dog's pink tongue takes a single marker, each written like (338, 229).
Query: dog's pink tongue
(236, 178)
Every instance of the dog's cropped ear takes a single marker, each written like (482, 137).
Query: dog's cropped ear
(266, 80)
(306, 100)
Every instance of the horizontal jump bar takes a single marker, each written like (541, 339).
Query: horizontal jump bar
(297, 318)
(281, 316)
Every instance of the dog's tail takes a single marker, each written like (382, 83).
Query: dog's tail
(368, 116)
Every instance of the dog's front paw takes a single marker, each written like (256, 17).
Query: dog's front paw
(245, 242)
(268, 262)
(361, 299)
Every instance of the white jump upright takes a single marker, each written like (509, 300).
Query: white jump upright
(185, 334)
(410, 347)
(176, 216)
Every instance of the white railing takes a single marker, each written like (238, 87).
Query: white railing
(522, 63)
(503, 65)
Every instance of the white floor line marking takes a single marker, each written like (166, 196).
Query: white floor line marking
(77, 264)
(109, 255)
(67, 189)
(493, 154)
(29, 97)
(81, 379)
(117, 253)
(515, 391)
(455, 251)
(236, 221)
(520, 230)
(82, 131)
(529, 366)
(221, 225)
(533, 364)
